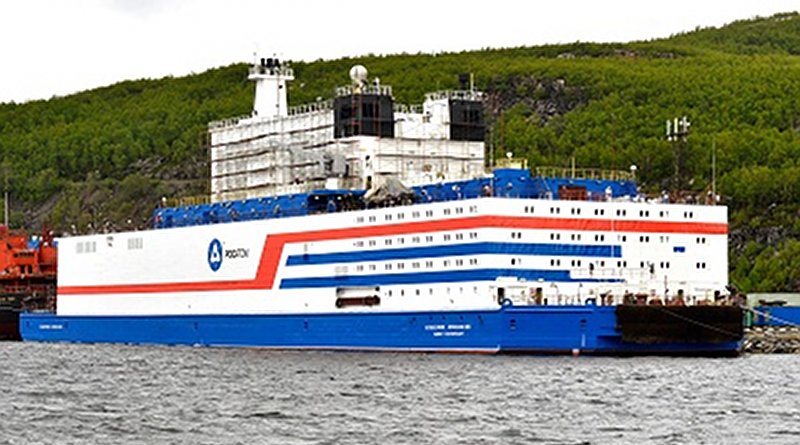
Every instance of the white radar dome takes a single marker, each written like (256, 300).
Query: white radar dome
(358, 74)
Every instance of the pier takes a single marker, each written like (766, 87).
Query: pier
(772, 330)
(772, 340)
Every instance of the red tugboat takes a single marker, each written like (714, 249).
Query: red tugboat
(27, 277)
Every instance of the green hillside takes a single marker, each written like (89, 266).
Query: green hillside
(105, 157)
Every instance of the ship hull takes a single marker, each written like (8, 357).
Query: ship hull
(9, 324)
(511, 330)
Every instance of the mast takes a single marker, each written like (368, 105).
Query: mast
(5, 192)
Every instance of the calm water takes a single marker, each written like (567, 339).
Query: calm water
(124, 394)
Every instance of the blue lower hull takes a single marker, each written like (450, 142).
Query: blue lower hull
(520, 329)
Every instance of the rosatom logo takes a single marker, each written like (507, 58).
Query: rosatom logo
(215, 255)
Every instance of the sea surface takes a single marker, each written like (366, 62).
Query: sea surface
(118, 394)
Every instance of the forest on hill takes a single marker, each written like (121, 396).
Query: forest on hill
(105, 157)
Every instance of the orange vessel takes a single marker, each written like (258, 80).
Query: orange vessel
(27, 277)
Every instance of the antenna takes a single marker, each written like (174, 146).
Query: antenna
(677, 133)
(714, 170)
(5, 192)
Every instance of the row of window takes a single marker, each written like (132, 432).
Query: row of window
(555, 262)
(418, 264)
(527, 209)
(415, 239)
(86, 247)
(417, 214)
(418, 292)
(602, 212)
(601, 263)
(602, 237)
(136, 243)
(514, 235)
(429, 264)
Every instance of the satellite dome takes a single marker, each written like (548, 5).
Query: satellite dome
(358, 74)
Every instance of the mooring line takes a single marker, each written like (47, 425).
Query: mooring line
(699, 323)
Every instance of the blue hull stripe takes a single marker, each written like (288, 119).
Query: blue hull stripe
(446, 276)
(546, 329)
(480, 248)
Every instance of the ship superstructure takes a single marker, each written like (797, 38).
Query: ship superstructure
(354, 141)
(27, 277)
(360, 224)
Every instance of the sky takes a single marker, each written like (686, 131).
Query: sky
(55, 47)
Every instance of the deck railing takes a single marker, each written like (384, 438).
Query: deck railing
(585, 173)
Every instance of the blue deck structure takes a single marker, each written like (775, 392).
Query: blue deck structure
(507, 183)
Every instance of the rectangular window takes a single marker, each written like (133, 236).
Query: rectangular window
(86, 247)
(135, 243)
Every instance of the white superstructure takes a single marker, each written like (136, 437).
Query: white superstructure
(355, 141)
(438, 256)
